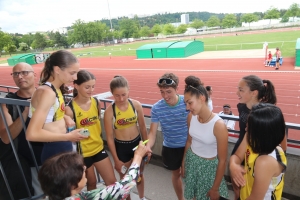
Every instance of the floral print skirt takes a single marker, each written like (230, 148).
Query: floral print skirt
(199, 177)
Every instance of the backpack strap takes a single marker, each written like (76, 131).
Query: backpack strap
(132, 106)
(54, 90)
(97, 104)
(114, 114)
(70, 104)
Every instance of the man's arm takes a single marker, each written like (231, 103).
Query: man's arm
(15, 127)
(152, 135)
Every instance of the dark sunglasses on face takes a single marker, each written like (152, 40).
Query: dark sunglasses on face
(23, 73)
(166, 81)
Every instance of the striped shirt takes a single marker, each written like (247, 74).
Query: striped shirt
(173, 122)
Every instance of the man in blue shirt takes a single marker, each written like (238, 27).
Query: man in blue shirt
(171, 113)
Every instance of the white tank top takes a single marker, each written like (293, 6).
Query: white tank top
(204, 142)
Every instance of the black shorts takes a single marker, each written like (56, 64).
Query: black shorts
(124, 148)
(277, 60)
(89, 161)
(172, 157)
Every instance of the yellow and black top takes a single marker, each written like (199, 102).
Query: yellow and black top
(124, 119)
(88, 120)
(57, 110)
(275, 188)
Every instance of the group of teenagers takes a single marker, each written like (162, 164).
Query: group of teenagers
(195, 140)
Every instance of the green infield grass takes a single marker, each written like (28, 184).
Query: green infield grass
(286, 41)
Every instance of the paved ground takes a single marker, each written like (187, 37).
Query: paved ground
(158, 184)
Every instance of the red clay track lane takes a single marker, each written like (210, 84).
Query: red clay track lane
(222, 74)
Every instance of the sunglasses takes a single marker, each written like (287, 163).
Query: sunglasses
(23, 73)
(166, 81)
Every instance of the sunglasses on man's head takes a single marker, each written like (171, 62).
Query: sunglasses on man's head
(166, 81)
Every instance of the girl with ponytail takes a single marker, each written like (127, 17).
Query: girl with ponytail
(47, 108)
(204, 161)
(251, 91)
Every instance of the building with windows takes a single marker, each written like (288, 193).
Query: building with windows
(185, 19)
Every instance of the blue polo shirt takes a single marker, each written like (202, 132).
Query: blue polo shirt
(173, 122)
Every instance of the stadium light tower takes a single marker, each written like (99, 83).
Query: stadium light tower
(109, 16)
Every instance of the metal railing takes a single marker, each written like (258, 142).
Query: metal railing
(105, 102)
(17, 103)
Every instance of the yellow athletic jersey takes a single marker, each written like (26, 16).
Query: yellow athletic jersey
(57, 110)
(88, 120)
(275, 189)
(124, 119)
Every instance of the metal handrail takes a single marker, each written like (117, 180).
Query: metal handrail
(19, 103)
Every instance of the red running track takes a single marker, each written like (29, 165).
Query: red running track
(222, 74)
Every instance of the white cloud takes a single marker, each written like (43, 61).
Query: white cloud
(41, 15)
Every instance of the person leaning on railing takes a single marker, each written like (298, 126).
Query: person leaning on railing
(24, 77)
(227, 111)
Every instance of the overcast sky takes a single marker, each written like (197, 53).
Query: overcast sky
(22, 16)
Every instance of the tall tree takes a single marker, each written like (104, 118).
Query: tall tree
(128, 27)
(78, 33)
(229, 21)
(294, 11)
(23, 46)
(39, 41)
(5, 39)
(182, 28)
(249, 18)
(145, 31)
(213, 21)
(272, 13)
(10, 48)
(156, 29)
(27, 38)
(197, 23)
(169, 29)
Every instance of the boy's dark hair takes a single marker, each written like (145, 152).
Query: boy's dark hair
(265, 88)
(266, 128)
(60, 174)
(194, 86)
(168, 76)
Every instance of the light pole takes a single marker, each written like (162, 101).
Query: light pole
(109, 16)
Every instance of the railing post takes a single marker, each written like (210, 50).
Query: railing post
(14, 151)
(6, 182)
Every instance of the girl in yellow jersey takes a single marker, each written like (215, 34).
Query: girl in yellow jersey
(47, 107)
(123, 122)
(86, 113)
(265, 161)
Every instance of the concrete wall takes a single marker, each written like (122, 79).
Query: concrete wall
(292, 176)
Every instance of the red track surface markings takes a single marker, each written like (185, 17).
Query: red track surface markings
(222, 74)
